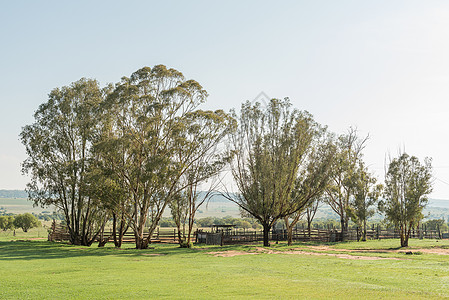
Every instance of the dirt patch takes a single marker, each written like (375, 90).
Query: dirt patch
(268, 251)
(306, 251)
(153, 254)
(439, 251)
(344, 256)
(230, 253)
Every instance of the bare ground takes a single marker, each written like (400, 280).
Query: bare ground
(260, 250)
(440, 251)
(230, 253)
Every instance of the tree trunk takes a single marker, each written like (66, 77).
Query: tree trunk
(309, 228)
(140, 240)
(190, 229)
(404, 236)
(343, 229)
(117, 240)
(180, 238)
(266, 233)
(289, 227)
(404, 241)
(364, 231)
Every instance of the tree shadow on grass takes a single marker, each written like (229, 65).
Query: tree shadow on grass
(29, 250)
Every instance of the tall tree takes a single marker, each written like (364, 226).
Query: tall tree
(206, 130)
(407, 185)
(313, 178)
(151, 111)
(269, 145)
(366, 196)
(58, 146)
(110, 187)
(341, 187)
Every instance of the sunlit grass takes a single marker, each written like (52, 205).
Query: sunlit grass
(40, 270)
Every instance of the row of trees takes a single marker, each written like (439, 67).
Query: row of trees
(285, 163)
(25, 221)
(128, 151)
(124, 152)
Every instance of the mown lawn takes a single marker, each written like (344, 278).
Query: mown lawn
(44, 270)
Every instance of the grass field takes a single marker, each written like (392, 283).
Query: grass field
(20, 206)
(37, 269)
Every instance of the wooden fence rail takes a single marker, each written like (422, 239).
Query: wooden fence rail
(321, 235)
(236, 236)
(59, 233)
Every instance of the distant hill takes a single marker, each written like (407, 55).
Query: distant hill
(13, 194)
(219, 206)
(438, 203)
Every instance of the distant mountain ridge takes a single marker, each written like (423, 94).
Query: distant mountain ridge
(438, 203)
(13, 194)
(435, 203)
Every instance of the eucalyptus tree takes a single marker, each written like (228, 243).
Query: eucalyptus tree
(311, 182)
(151, 112)
(407, 185)
(269, 145)
(58, 145)
(111, 198)
(206, 131)
(341, 186)
(366, 196)
(109, 165)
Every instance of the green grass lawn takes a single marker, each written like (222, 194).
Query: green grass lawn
(34, 233)
(44, 270)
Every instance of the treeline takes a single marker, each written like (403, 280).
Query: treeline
(45, 216)
(24, 221)
(128, 151)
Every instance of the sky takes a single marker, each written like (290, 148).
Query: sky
(380, 66)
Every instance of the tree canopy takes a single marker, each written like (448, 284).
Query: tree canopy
(408, 182)
(26, 221)
(269, 145)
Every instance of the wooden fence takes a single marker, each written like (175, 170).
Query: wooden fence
(242, 236)
(301, 234)
(58, 233)
(160, 235)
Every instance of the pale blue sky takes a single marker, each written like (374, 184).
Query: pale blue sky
(379, 65)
